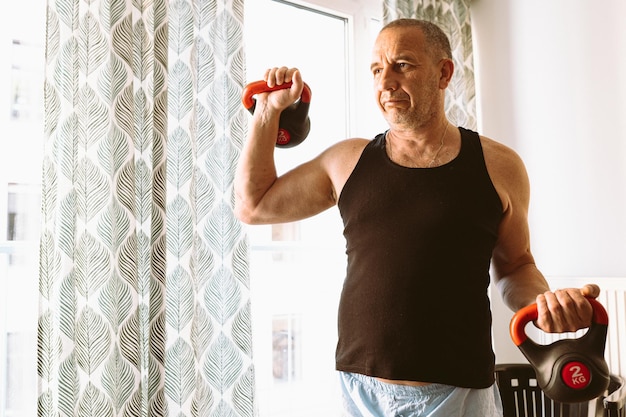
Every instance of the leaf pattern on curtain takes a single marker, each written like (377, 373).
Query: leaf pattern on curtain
(101, 245)
(144, 292)
(206, 129)
(453, 16)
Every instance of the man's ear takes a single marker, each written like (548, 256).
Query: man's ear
(447, 69)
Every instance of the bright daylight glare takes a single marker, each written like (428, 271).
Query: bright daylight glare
(21, 122)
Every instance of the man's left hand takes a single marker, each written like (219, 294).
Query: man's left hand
(565, 310)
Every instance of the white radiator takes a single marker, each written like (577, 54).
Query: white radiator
(613, 298)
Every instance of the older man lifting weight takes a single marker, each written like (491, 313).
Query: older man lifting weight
(427, 208)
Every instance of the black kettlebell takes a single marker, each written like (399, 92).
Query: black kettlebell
(568, 370)
(294, 124)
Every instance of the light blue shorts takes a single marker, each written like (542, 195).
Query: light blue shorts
(364, 396)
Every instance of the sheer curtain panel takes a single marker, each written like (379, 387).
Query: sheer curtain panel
(144, 295)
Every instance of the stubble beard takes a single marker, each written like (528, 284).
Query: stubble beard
(411, 118)
(419, 115)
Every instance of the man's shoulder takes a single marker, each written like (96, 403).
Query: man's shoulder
(498, 152)
(506, 169)
(340, 160)
(347, 149)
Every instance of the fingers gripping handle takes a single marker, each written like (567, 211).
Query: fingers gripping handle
(530, 313)
(261, 86)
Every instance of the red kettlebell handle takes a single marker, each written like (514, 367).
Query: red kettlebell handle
(529, 313)
(257, 87)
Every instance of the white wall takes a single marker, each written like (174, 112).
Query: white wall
(551, 81)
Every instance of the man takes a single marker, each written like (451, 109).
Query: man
(427, 209)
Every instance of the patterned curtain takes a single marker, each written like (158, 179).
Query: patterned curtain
(453, 16)
(143, 273)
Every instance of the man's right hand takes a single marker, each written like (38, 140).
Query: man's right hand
(281, 99)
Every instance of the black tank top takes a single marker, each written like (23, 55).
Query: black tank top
(414, 304)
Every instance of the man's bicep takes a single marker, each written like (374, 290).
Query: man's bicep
(298, 194)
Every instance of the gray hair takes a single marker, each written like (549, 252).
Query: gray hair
(436, 40)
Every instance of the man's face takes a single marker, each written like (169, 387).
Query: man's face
(407, 79)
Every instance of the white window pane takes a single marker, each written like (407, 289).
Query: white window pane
(21, 121)
(297, 269)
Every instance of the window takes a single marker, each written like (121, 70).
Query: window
(286, 348)
(297, 269)
(21, 121)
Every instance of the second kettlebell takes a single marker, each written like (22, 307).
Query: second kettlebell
(294, 124)
(568, 370)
